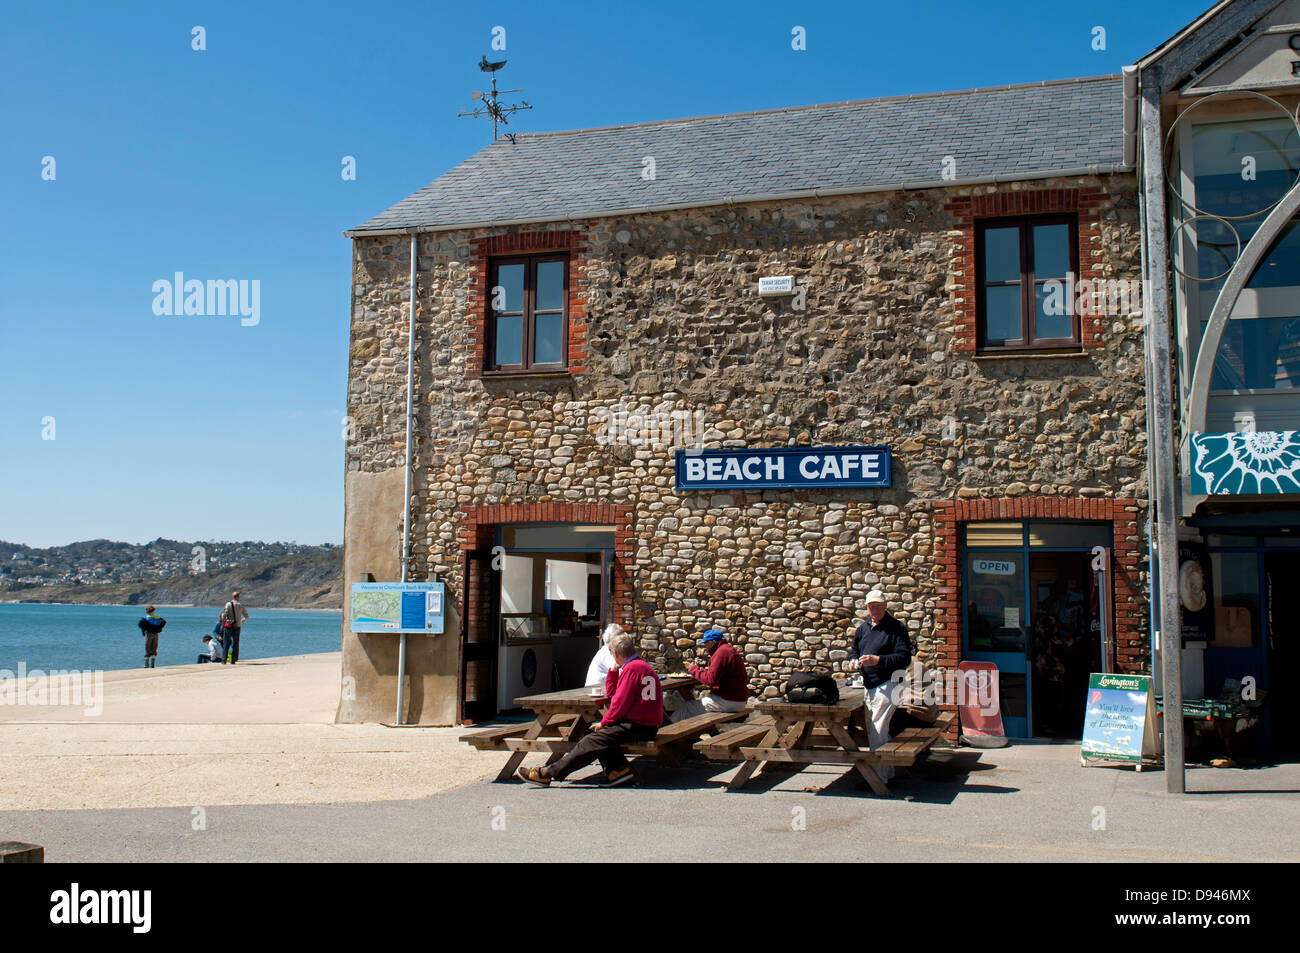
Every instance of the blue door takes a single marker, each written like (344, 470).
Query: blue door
(996, 626)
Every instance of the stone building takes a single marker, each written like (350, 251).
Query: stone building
(588, 319)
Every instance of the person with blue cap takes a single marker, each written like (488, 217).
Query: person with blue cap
(725, 678)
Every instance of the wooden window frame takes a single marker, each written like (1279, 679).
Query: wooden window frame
(530, 263)
(1027, 281)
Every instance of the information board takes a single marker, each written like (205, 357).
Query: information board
(1119, 721)
(398, 607)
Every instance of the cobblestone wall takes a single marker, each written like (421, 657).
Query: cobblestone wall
(674, 324)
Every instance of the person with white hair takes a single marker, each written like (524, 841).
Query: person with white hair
(635, 713)
(879, 648)
(604, 659)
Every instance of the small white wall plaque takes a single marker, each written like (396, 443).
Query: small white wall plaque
(776, 286)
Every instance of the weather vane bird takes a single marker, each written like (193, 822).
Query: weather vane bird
(490, 106)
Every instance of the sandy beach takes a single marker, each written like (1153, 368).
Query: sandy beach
(261, 732)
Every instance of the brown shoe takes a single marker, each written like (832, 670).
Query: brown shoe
(619, 776)
(533, 776)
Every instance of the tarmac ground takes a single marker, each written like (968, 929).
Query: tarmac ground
(196, 765)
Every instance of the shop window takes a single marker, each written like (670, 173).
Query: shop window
(1069, 535)
(1024, 288)
(995, 613)
(528, 326)
(1236, 599)
(980, 535)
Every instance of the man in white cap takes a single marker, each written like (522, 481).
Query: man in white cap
(880, 648)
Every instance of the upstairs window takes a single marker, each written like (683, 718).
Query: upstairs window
(527, 313)
(1027, 299)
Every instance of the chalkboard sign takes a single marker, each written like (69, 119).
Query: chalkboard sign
(1119, 722)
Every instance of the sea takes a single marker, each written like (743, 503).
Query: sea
(86, 638)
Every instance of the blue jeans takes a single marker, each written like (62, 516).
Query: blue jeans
(232, 643)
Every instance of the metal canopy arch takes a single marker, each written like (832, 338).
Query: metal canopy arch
(1242, 270)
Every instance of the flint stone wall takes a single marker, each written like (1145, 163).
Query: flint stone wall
(675, 324)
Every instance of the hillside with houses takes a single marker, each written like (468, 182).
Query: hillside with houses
(173, 572)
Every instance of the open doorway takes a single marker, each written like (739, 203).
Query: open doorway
(1065, 642)
(545, 599)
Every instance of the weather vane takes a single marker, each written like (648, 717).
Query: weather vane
(490, 106)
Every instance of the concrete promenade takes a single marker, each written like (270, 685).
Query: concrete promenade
(260, 732)
(244, 764)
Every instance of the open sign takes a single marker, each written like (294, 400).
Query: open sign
(995, 567)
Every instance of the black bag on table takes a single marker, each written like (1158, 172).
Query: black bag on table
(815, 688)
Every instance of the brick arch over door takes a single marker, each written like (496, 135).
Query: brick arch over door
(478, 531)
(1123, 514)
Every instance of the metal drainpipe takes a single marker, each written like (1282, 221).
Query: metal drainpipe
(406, 511)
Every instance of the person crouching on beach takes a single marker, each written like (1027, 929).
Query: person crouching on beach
(150, 626)
(212, 651)
(635, 713)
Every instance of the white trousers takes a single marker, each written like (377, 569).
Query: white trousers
(698, 706)
(880, 709)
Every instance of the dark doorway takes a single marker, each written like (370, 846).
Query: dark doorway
(1065, 643)
(478, 650)
(1283, 703)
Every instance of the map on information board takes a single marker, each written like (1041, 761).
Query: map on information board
(397, 607)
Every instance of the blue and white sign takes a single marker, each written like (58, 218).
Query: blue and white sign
(1246, 464)
(783, 467)
(397, 607)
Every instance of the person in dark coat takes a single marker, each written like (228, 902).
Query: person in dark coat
(880, 647)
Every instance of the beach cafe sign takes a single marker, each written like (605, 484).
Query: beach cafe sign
(783, 467)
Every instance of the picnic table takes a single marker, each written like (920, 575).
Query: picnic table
(800, 734)
(561, 719)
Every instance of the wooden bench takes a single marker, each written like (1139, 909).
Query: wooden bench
(911, 745)
(494, 739)
(670, 740)
(726, 745)
(667, 744)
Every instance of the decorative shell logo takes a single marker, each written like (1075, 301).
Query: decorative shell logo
(1247, 463)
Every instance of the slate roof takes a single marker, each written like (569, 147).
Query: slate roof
(1004, 133)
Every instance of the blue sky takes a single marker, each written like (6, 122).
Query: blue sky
(225, 164)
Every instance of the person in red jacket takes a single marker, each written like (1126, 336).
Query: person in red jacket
(635, 713)
(725, 678)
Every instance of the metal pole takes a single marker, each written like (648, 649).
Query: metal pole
(406, 510)
(1162, 450)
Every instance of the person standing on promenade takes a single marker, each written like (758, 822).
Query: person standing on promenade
(234, 615)
(150, 627)
(880, 648)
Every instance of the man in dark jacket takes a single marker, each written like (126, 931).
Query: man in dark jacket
(880, 648)
(725, 678)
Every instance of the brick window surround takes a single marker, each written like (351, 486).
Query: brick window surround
(479, 524)
(527, 243)
(968, 209)
(1127, 554)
